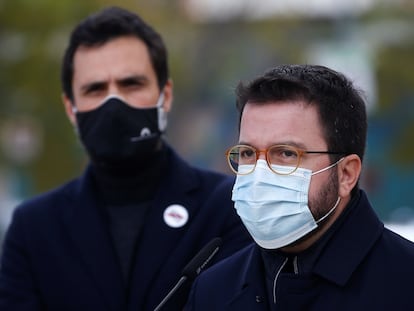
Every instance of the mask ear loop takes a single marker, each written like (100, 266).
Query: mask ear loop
(330, 211)
(162, 114)
(339, 198)
(328, 167)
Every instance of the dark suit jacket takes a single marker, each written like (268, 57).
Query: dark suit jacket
(362, 267)
(57, 253)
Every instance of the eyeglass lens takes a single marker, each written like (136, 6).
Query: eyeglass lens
(242, 159)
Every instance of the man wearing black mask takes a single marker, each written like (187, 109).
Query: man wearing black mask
(117, 237)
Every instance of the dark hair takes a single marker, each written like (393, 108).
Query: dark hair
(341, 108)
(108, 24)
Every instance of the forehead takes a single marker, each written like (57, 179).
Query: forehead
(119, 56)
(286, 122)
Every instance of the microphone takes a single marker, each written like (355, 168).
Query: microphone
(194, 267)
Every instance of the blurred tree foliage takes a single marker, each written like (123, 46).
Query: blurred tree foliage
(396, 78)
(207, 60)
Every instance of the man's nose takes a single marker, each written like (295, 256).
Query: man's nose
(261, 154)
(113, 89)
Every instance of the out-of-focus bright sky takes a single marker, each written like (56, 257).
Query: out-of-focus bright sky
(206, 10)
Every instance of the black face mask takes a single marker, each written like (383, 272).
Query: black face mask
(116, 134)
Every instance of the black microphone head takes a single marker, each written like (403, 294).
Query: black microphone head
(199, 262)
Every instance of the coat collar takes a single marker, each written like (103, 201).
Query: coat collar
(350, 243)
(337, 261)
(85, 223)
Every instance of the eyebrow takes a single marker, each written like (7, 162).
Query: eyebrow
(133, 79)
(96, 85)
(92, 86)
(289, 143)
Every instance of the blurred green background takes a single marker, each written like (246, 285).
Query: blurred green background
(212, 45)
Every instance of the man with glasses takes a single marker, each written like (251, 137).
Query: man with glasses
(319, 245)
(118, 237)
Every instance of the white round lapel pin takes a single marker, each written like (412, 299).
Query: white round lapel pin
(175, 216)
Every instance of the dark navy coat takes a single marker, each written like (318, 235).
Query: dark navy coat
(57, 253)
(364, 266)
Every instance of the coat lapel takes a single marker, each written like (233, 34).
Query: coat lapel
(159, 241)
(355, 238)
(85, 224)
(250, 291)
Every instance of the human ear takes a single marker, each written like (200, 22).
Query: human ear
(168, 95)
(68, 103)
(349, 171)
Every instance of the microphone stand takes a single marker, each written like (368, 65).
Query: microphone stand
(194, 267)
(170, 293)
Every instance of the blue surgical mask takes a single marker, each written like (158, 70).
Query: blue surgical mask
(274, 208)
